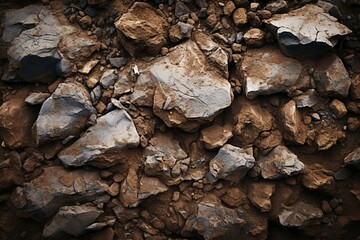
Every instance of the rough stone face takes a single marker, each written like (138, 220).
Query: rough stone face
(231, 163)
(54, 188)
(353, 158)
(216, 136)
(212, 220)
(112, 133)
(64, 114)
(308, 31)
(72, 220)
(317, 177)
(108, 78)
(331, 77)
(326, 140)
(307, 99)
(280, 162)
(338, 108)
(300, 215)
(37, 98)
(279, 6)
(180, 31)
(77, 46)
(240, 17)
(254, 37)
(355, 87)
(295, 130)
(260, 194)
(234, 197)
(268, 71)
(141, 30)
(17, 133)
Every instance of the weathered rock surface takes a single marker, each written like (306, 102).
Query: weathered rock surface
(338, 108)
(231, 163)
(72, 220)
(216, 136)
(64, 114)
(37, 98)
(353, 158)
(280, 162)
(267, 71)
(260, 195)
(234, 197)
(300, 215)
(308, 31)
(142, 29)
(112, 133)
(255, 37)
(180, 31)
(317, 177)
(54, 188)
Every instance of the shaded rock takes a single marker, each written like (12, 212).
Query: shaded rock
(231, 163)
(268, 71)
(112, 133)
(229, 8)
(181, 9)
(280, 162)
(260, 194)
(117, 62)
(338, 108)
(308, 31)
(234, 197)
(54, 188)
(64, 114)
(180, 31)
(98, 3)
(278, 6)
(355, 87)
(325, 140)
(10, 171)
(353, 158)
(72, 220)
(16, 134)
(316, 177)
(240, 16)
(108, 78)
(295, 130)
(254, 37)
(331, 77)
(216, 136)
(307, 99)
(37, 98)
(150, 186)
(142, 29)
(212, 220)
(300, 215)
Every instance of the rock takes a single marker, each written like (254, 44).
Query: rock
(98, 3)
(295, 129)
(309, 98)
(353, 124)
(54, 188)
(114, 189)
(231, 163)
(280, 162)
(300, 215)
(338, 108)
(308, 31)
(331, 77)
(117, 133)
(353, 158)
(85, 22)
(229, 8)
(16, 134)
(64, 114)
(268, 71)
(117, 62)
(181, 9)
(37, 98)
(142, 30)
(89, 66)
(108, 78)
(325, 140)
(234, 197)
(355, 87)
(316, 177)
(11, 173)
(254, 38)
(212, 220)
(72, 220)
(150, 186)
(260, 194)
(279, 6)
(180, 31)
(78, 46)
(216, 136)
(240, 17)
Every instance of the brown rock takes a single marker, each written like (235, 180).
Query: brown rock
(355, 87)
(260, 194)
(114, 189)
(317, 178)
(353, 124)
(326, 140)
(254, 37)
(240, 17)
(211, 20)
(215, 136)
(229, 8)
(338, 108)
(234, 197)
(325, 206)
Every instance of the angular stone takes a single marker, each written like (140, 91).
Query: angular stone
(307, 99)
(231, 163)
(316, 177)
(353, 158)
(254, 37)
(37, 98)
(279, 6)
(355, 87)
(216, 136)
(300, 215)
(180, 31)
(229, 8)
(295, 129)
(338, 108)
(142, 30)
(326, 140)
(308, 31)
(64, 114)
(108, 78)
(280, 162)
(72, 220)
(54, 188)
(260, 195)
(240, 17)
(234, 197)
(331, 77)
(181, 9)
(112, 133)
(268, 71)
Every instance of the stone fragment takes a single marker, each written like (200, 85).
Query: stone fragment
(355, 87)
(280, 162)
(300, 215)
(108, 78)
(64, 114)
(216, 136)
(240, 17)
(231, 163)
(295, 129)
(37, 98)
(308, 31)
(78, 46)
(353, 158)
(54, 188)
(260, 195)
(268, 71)
(212, 20)
(180, 31)
(338, 108)
(234, 197)
(114, 189)
(325, 140)
(142, 30)
(309, 98)
(117, 62)
(181, 9)
(254, 38)
(229, 8)
(278, 6)
(316, 177)
(72, 220)
(113, 133)
(89, 66)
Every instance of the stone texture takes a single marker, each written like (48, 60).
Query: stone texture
(72, 220)
(300, 215)
(216, 136)
(331, 77)
(295, 130)
(37, 98)
(54, 188)
(280, 162)
(338, 108)
(260, 195)
(234, 197)
(180, 31)
(353, 158)
(142, 29)
(309, 98)
(64, 114)
(268, 71)
(240, 17)
(108, 78)
(279, 6)
(78, 46)
(307, 31)
(229, 8)
(316, 177)
(355, 87)
(326, 140)
(254, 38)
(113, 133)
